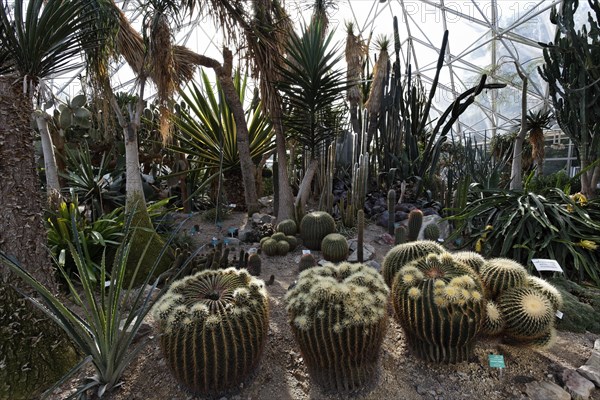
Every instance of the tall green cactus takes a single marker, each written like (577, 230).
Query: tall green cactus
(391, 203)
(360, 238)
(314, 227)
(334, 247)
(213, 327)
(440, 306)
(402, 254)
(338, 315)
(415, 221)
(400, 234)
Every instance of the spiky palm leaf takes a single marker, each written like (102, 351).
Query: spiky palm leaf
(536, 123)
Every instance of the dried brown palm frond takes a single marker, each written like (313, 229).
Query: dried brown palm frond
(356, 51)
(536, 123)
(373, 103)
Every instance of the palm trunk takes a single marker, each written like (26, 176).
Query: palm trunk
(285, 208)
(52, 182)
(516, 175)
(133, 185)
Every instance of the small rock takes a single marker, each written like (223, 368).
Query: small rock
(265, 201)
(546, 391)
(579, 387)
(421, 390)
(368, 251)
(383, 219)
(400, 216)
(374, 264)
(386, 238)
(591, 369)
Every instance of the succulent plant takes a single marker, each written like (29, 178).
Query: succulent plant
(402, 254)
(527, 311)
(306, 261)
(270, 247)
(499, 274)
(439, 303)
(552, 293)
(400, 234)
(278, 236)
(253, 264)
(292, 241)
(360, 237)
(334, 247)
(494, 323)
(431, 232)
(415, 221)
(391, 203)
(287, 227)
(472, 259)
(314, 227)
(545, 341)
(283, 247)
(338, 315)
(213, 327)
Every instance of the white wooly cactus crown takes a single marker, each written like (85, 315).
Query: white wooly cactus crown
(210, 297)
(356, 291)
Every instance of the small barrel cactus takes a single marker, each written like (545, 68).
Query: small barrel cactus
(306, 261)
(400, 233)
(283, 247)
(213, 327)
(270, 247)
(287, 227)
(499, 274)
(527, 311)
(494, 321)
(278, 236)
(415, 221)
(438, 301)
(334, 247)
(472, 259)
(292, 241)
(314, 227)
(338, 315)
(402, 254)
(431, 232)
(254, 264)
(547, 289)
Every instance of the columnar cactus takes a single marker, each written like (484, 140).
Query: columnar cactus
(391, 203)
(334, 247)
(402, 254)
(500, 274)
(400, 234)
(415, 221)
(494, 323)
(472, 259)
(527, 311)
(306, 261)
(314, 227)
(213, 327)
(270, 247)
(287, 227)
(438, 301)
(547, 289)
(431, 232)
(360, 237)
(338, 315)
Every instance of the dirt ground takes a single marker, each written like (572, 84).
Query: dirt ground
(282, 374)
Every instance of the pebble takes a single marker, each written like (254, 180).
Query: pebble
(579, 387)
(591, 369)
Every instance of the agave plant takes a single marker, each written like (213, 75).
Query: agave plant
(207, 133)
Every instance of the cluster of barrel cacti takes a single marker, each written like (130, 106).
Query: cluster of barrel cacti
(213, 327)
(338, 314)
(410, 232)
(314, 227)
(278, 244)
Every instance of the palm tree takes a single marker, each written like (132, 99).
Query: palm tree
(35, 44)
(535, 124)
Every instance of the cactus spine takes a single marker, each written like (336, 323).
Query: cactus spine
(314, 227)
(431, 232)
(440, 306)
(391, 203)
(499, 274)
(287, 227)
(402, 254)
(415, 221)
(334, 247)
(213, 328)
(494, 323)
(360, 237)
(472, 259)
(338, 315)
(547, 290)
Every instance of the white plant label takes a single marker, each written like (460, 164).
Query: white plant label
(544, 264)
(559, 314)
(305, 252)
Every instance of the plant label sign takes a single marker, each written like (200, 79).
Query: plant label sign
(544, 264)
(496, 361)
(305, 252)
(559, 314)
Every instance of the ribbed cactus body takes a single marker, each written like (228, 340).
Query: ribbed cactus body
(269, 247)
(402, 254)
(494, 323)
(431, 232)
(391, 203)
(527, 311)
(499, 274)
(547, 290)
(415, 221)
(278, 236)
(400, 233)
(472, 259)
(545, 341)
(440, 306)
(287, 227)
(292, 241)
(213, 328)
(360, 237)
(334, 247)
(306, 261)
(283, 247)
(254, 264)
(314, 227)
(338, 315)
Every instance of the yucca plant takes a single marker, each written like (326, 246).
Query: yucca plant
(206, 131)
(101, 328)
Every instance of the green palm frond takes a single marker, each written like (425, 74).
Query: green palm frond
(44, 40)
(539, 119)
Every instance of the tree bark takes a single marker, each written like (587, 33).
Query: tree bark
(516, 175)
(285, 208)
(304, 190)
(22, 232)
(52, 181)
